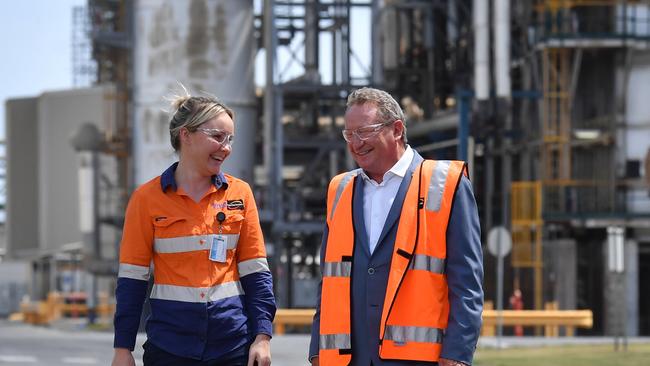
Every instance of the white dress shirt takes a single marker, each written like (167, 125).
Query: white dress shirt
(378, 197)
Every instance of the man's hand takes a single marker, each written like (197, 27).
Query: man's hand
(315, 362)
(448, 362)
(260, 351)
(122, 357)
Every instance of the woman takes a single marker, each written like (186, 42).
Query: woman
(212, 301)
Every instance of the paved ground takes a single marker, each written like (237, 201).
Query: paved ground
(70, 343)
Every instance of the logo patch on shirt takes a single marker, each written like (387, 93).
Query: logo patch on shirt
(235, 204)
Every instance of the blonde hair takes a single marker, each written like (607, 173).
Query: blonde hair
(191, 112)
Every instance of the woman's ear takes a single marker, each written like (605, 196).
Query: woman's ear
(184, 136)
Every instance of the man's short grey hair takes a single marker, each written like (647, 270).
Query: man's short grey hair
(387, 107)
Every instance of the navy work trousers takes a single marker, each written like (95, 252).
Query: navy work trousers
(154, 356)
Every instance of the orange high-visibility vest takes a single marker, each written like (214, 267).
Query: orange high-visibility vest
(416, 306)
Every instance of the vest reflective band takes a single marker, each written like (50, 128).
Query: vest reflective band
(416, 306)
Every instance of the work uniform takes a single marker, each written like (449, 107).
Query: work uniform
(416, 295)
(212, 289)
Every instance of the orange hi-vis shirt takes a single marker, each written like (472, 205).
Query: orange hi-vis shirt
(201, 307)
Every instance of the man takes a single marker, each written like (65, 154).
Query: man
(401, 257)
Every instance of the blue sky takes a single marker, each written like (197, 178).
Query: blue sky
(36, 48)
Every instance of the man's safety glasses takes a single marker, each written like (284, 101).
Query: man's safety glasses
(364, 133)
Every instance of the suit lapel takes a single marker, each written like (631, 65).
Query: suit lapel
(358, 217)
(396, 207)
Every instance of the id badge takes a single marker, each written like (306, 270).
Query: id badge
(218, 249)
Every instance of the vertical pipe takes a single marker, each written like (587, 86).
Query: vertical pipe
(429, 44)
(489, 182)
(501, 24)
(377, 65)
(463, 127)
(480, 17)
(271, 122)
(345, 45)
(278, 154)
(470, 157)
(269, 105)
(311, 40)
(632, 288)
(499, 294)
(502, 47)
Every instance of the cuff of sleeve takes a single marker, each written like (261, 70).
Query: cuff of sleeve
(124, 340)
(264, 327)
(463, 356)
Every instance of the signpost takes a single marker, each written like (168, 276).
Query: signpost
(499, 245)
(616, 266)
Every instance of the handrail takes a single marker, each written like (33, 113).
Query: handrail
(570, 318)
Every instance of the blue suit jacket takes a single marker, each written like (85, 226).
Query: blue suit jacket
(464, 270)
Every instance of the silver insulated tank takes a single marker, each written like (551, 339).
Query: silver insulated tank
(208, 46)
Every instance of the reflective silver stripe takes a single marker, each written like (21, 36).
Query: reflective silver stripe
(339, 190)
(401, 334)
(337, 269)
(252, 266)
(135, 272)
(335, 341)
(437, 185)
(191, 243)
(428, 263)
(196, 294)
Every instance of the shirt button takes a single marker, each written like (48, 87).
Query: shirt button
(371, 271)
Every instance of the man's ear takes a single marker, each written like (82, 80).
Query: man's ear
(398, 129)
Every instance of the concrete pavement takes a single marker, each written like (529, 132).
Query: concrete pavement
(70, 342)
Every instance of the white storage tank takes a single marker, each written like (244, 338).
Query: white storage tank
(208, 46)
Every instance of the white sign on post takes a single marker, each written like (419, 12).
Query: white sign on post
(499, 242)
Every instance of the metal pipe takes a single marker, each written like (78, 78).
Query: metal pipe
(501, 24)
(311, 40)
(377, 65)
(502, 47)
(441, 122)
(270, 42)
(463, 128)
(480, 18)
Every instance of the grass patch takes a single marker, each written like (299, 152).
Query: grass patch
(592, 355)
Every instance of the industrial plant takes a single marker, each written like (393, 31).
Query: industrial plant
(544, 99)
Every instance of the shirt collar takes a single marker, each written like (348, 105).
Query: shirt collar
(167, 179)
(399, 169)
